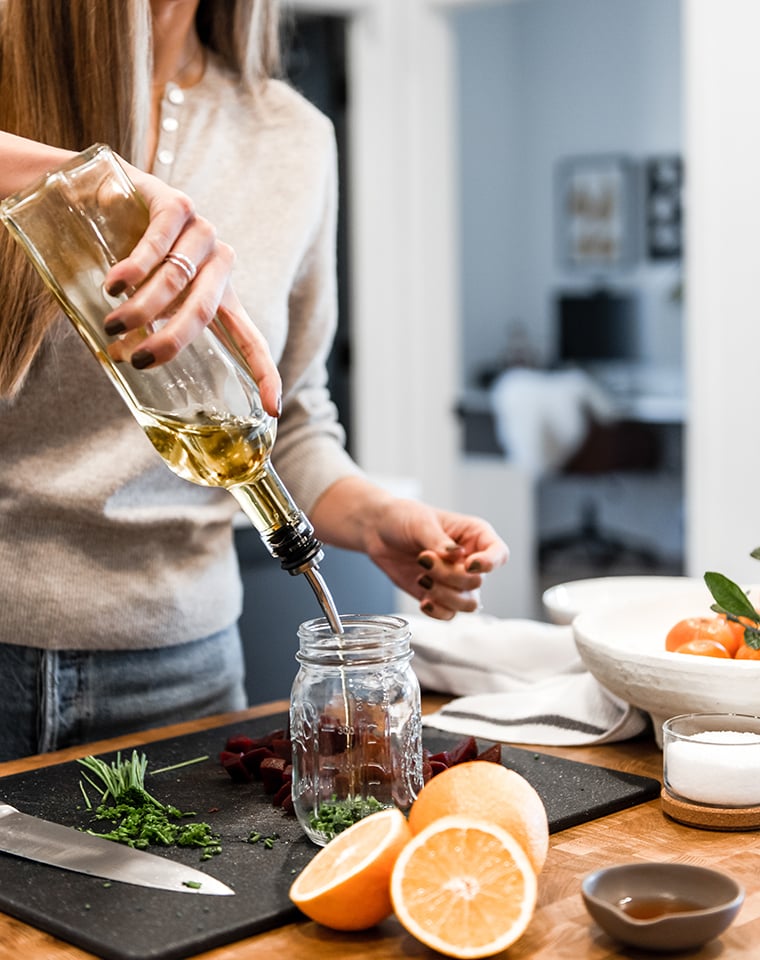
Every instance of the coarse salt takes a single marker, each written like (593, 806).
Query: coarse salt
(718, 767)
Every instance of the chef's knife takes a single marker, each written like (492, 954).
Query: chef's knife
(71, 849)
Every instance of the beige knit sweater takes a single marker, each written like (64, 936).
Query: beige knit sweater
(101, 546)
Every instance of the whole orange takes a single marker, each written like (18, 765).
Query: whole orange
(490, 792)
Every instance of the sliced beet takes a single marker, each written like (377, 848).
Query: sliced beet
(254, 758)
(437, 767)
(271, 773)
(233, 764)
(467, 749)
(279, 798)
(282, 748)
(268, 738)
(239, 744)
(491, 754)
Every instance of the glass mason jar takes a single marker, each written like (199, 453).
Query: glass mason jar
(355, 723)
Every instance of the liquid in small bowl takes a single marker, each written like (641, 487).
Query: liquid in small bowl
(662, 906)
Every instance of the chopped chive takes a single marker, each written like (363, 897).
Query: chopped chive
(84, 794)
(139, 819)
(176, 766)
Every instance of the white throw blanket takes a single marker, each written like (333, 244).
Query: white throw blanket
(516, 681)
(541, 417)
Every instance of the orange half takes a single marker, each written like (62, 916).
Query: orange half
(464, 887)
(347, 885)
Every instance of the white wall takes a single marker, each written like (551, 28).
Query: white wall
(723, 252)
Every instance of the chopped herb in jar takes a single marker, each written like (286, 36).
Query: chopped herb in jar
(334, 816)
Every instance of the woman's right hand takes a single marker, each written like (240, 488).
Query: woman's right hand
(181, 268)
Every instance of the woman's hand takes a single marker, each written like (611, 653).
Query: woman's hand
(438, 557)
(181, 269)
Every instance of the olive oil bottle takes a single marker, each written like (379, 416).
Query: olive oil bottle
(201, 411)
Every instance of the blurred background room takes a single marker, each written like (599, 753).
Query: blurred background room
(546, 246)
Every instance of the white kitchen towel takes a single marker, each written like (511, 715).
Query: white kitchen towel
(516, 681)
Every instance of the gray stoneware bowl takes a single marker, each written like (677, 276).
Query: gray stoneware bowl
(715, 899)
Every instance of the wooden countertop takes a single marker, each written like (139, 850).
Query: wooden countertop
(560, 928)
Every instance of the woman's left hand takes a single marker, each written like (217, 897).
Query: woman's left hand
(438, 557)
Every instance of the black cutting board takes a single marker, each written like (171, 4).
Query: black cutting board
(124, 922)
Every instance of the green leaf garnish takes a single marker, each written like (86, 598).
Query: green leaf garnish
(729, 597)
(734, 603)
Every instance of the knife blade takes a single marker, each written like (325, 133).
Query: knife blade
(70, 849)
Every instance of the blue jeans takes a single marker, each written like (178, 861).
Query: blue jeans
(50, 699)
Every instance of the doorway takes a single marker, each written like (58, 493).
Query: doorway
(576, 101)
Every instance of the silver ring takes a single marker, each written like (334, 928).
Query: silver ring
(185, 264)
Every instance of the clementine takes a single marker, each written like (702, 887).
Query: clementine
(704, 647)
(715, 628)
(737, 631)
(746, 652)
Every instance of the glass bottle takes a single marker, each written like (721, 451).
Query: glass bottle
(355, 723)
(201, 411)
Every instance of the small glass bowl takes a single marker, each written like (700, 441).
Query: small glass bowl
(712, 759)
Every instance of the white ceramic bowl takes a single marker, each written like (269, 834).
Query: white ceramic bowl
(565, 601)
(624, 648)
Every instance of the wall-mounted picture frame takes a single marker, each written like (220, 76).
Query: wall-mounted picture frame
(597, 212)
(663, 184)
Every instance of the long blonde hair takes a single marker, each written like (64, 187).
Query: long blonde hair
(78, 72)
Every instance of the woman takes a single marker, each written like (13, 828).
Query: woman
(120, 589)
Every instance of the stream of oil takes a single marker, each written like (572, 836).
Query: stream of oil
(330, 610)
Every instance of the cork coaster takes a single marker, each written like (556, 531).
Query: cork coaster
(710, 818)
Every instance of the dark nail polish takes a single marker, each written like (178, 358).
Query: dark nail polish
(427, 607)
(425, 562)
(425, 582)
(142, 359)
(474, 567)
(115, 288)
(279, 404)
(112, 327)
